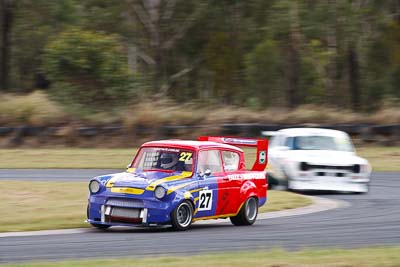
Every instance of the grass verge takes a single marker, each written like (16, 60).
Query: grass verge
(282, 200)
(381, 158)
(65, 158)
(42, 205)
(57, 205)
(365, 257)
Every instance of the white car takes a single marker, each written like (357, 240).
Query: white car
(316, 159)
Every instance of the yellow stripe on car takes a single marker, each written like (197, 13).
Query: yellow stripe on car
(127, 190)
(183, 175)
(131, 170)
(196, 190)
(218, 216)
(111, 182)
(187, 195)
(215, 217)
(174, 188)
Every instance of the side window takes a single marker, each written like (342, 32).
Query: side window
(289, 142)
(211, 160)
(231, 160)
(282, 140)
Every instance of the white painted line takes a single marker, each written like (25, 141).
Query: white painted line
(319, 204)
(46, 232)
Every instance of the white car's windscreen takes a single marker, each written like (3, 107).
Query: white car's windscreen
(319, 142)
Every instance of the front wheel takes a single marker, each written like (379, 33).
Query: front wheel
(101, 226)
(98, 226)
(182, 216)
(247, 214)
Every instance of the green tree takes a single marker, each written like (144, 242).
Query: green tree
(265, 70)
(88, 69)
(162, 25)
(7, 8)
(281, 52)
(27, 28)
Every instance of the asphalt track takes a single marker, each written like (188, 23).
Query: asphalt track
(367, 220)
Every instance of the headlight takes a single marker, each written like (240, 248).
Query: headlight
(94, 186)
(365, 168)
(356, 168)
(304, 166)
(160, 192)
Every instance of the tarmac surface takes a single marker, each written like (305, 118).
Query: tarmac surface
(336, 221)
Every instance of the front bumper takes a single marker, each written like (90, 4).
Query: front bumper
(326, 183)
(128, 211)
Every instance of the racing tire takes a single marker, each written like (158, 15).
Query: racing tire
(101, 226)
(182, 216)
(288, 187)
(247, 214)
(272, 181)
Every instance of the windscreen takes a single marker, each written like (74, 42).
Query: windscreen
(164, 159)
(320, 142)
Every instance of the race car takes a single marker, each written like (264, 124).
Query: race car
(316, 159)
(177, 182)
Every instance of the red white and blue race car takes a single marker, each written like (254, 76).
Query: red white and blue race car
(178, 182)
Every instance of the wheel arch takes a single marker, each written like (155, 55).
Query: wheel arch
(248, 189)
(180, 198)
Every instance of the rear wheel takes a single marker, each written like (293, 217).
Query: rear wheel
(288, 185)
(182, 216)
(247, 214)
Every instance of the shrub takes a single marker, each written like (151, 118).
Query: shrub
(88, 70)
(34, 109)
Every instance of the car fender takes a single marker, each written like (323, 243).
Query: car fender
(180, 196)
(248, 189)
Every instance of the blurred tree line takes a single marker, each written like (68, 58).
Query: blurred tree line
(255, 53)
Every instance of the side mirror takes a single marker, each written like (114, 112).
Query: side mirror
(205, 173)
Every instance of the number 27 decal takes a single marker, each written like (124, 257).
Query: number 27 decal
(184, 156)
(205, 200)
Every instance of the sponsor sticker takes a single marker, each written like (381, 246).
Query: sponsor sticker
(168, 149)
(262, 156)
(246, 176)
(240, 141)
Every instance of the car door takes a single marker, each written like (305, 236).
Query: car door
(229, 184)
(210, 172)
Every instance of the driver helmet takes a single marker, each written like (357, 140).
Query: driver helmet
(168, 160)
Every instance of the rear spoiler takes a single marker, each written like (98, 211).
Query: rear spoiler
(260, 144)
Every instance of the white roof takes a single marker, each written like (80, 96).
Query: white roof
(311, 131)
